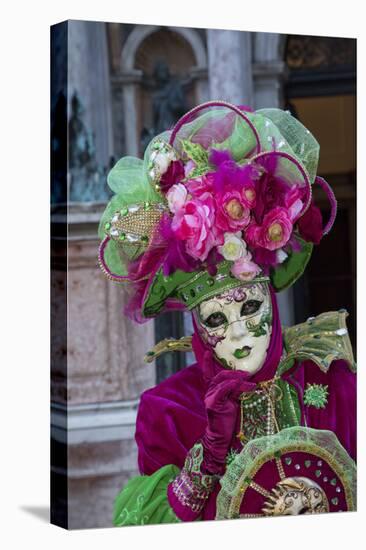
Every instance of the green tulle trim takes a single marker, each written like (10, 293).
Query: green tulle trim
(298, 140)
(144, 500)
(277, 130)
(128, 177)
(240, 142)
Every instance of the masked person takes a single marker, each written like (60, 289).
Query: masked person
(216, 219)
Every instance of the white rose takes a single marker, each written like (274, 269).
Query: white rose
(233, 248)
(162, 162)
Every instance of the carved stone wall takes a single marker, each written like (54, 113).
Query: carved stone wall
(319, 52)
(104, 348)
(106, 375)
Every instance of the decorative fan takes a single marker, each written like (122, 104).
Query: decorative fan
(296, 471)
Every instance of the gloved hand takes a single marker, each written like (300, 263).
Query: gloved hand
(222, 407)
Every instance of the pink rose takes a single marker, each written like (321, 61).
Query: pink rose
(203, 184)
(232, 212)
(253, 235)
(274, 232)
(276, 229)
(275, 191)
(194, 223)
(245, 269)
(176, 197)
(249, 195)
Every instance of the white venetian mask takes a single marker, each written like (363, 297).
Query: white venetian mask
(238, 324)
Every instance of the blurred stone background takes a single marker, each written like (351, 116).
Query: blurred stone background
(113, 87)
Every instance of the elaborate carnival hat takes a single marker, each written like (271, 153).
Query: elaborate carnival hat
(223, 198)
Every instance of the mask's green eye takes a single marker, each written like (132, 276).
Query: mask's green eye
(250, 307)
(215, 320)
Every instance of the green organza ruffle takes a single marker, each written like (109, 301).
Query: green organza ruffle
(144, 499)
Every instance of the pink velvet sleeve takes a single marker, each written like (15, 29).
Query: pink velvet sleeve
(171, 418)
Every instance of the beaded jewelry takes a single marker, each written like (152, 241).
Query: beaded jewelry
(266, 393)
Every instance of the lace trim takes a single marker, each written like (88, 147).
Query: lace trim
(191, 487)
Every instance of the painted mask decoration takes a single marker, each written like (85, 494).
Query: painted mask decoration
(294, 496)
(238, 324)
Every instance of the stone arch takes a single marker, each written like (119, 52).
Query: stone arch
(141, 32)
(130, 77)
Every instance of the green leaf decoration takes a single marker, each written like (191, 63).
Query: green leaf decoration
(256, 330)
(316, 395)
(195, 152)
(321, 339)
(260, 329)
(285, 274)
(198, 171)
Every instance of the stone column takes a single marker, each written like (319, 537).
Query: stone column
(229, 62)
(268, 69)
(128, 82)
(88, 75)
